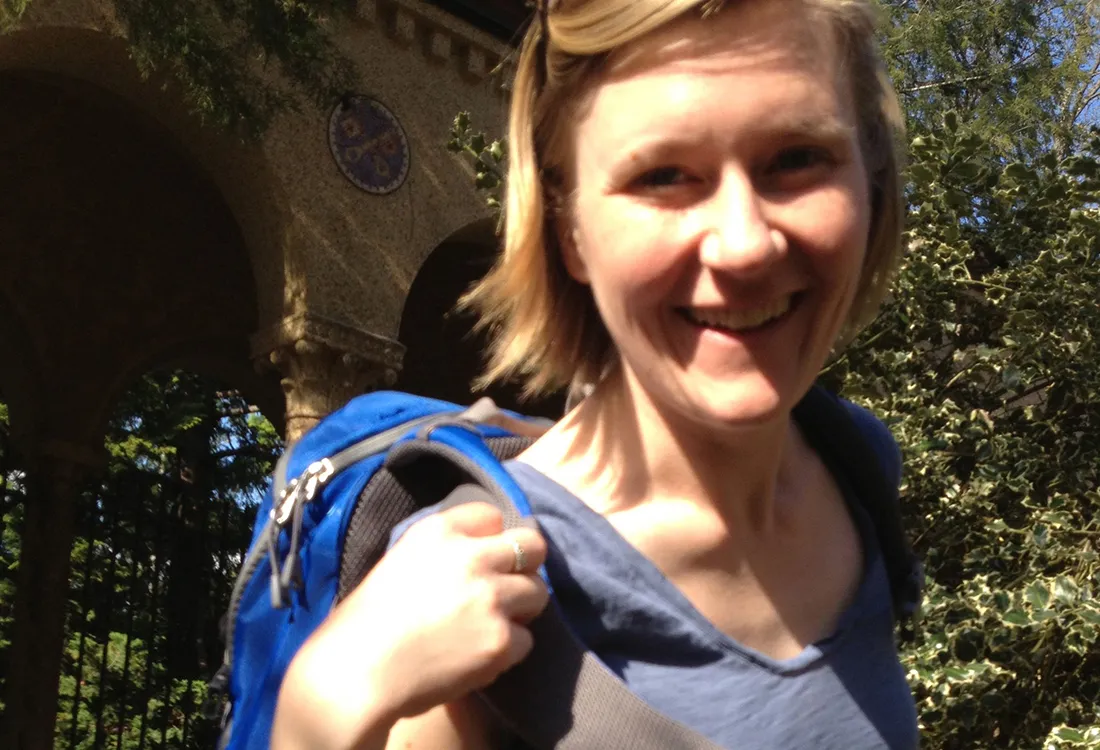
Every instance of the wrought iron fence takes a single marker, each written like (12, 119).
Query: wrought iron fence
(160, 537)
(148, 592)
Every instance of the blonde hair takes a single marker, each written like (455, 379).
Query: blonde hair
(544, 328)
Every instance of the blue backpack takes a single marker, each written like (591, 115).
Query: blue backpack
(336, 497)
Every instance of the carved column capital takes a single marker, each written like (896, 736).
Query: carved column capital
(324, 364)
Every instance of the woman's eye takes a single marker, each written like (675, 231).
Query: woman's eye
(663, 177)
(797, 159)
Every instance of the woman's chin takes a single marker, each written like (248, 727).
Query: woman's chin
(744, 402)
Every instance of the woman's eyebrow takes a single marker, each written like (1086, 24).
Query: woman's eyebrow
(825, 128)
(647, 151)
(647, 146)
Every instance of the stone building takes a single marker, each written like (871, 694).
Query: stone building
(303, 269)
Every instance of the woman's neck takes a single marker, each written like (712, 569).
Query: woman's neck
(618, 450)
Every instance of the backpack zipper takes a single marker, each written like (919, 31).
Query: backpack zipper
(312, 479)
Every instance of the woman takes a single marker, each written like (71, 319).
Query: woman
(702, 204)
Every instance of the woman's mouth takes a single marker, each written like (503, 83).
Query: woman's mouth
(738, 321)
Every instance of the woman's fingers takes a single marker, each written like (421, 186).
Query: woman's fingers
(523, 549)
(519, 551)
(477, 592)
(521, 598)
(521, 644)
(471, 519)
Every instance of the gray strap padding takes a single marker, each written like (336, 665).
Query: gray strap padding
(485, 411)
(280, 478)
(561, 697)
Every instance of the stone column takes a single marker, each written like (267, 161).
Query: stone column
(53, 481)
(324, 364)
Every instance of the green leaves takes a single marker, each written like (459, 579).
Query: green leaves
(1037, 595)
(1019, 172)
(10, 12)
(1064, 737)
(1066, 591)
(980, 363)
(983, 362)
(951, 120)
(240, 63)
(489, 158)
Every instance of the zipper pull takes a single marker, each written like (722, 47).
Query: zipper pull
(282, 510)
(286, 574)
(316, 475)
(303, 489)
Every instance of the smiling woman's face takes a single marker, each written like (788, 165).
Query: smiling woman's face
(720, 209)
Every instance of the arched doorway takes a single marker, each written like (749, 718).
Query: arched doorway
(444, 354)
(120, 254)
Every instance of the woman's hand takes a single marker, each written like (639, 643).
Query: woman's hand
(442, 614)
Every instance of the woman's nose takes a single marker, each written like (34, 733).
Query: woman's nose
(739, 239)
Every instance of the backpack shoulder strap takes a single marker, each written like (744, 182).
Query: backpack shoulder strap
(561, 696)
(862, 448)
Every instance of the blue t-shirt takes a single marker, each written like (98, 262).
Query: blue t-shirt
(846, 692)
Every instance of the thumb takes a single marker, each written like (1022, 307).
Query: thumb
(474, 519)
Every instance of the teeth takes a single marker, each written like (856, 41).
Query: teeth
(738, 320)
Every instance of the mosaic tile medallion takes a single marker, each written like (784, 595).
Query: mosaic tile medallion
(369, 145)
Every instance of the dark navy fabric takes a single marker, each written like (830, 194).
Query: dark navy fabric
(880, 440)
(847, 692)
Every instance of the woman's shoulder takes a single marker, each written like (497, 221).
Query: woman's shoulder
(879, 438)
(859, 430)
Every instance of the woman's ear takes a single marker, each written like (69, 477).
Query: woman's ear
(565, 229)
(568, 240)
(570, 252)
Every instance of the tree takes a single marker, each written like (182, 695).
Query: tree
(983, 363)
(1023, 73)
(977, 364)
(238, 63)
(980, 360)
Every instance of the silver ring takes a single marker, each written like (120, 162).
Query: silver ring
(521, 557)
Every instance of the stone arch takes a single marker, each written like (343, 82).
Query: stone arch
(222, 359)
(84, 61)
(443, 354)
(132, 238)
(121, 250)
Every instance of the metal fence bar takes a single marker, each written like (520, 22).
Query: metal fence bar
(85, 602)
(110, 515)
(5, 469)
(224, 580)
(188, 699)
(166, 709)
(7, 501)
(150, 641)
(135, 555)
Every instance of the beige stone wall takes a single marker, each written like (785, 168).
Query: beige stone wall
(360, 252)
(332, 264)
(316, 241)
